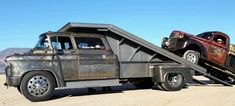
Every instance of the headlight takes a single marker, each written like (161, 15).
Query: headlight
(181, 36)
(167, 43)
(6, 63)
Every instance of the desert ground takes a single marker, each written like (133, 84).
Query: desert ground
(127, 95)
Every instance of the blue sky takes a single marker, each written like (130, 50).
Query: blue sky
(22, 21)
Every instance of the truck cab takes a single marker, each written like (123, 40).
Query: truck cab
(82, 56)
(216, 45)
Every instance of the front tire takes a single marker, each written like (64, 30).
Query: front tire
(191, 56)
(37, 86)
(173, 82)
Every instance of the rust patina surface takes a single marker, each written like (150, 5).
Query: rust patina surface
(67, 63)
(213, 47)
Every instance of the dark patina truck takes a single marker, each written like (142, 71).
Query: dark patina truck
(93, 55)
(209, 49)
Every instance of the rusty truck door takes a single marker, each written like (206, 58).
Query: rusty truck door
(96, 61)
(217, 51)
(66, 55)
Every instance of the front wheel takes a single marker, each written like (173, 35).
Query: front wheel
(191, 56)
(37, 85)
(173, 82)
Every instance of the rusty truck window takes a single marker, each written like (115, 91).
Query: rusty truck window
(61, 43)
(219, 39)
(89, 43)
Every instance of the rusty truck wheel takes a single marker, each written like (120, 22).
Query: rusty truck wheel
(173, 82)
(37, 85)
(191, 56)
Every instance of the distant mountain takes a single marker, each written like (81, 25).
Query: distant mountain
(7, 52)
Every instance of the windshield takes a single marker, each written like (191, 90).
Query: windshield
(42, 43)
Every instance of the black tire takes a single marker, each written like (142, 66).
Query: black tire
(37, 86)
(191, 56)
(173, 82)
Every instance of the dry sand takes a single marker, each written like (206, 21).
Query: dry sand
(127, 95)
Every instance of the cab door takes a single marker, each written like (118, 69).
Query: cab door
(217, 51)
(96, 60)
(65, 57)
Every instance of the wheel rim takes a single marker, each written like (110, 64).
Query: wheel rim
(191, 57)
(174, 79)
(38, 86)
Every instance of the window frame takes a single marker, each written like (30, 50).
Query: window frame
(100, 39)
(223, 38)
(57, 37)
(206, 34)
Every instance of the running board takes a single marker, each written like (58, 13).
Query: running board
(91, 83)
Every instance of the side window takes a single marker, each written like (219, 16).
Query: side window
(61, 43)
(219, 39)
(89, 43)
(207, 36)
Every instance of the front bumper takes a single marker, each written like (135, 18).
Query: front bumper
(11, 80)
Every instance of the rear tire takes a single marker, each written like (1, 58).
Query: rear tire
(191, 56)
(37, 86)
(173, 82)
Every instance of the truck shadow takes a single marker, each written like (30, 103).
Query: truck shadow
(61, 93)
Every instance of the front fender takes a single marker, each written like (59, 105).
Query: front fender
(19, 68)
(197, 46)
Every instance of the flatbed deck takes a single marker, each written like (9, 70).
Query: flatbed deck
(130, 48)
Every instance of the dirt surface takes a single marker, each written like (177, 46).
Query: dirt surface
(127, 95)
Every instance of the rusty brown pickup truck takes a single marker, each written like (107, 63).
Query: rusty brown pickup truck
(210, 48)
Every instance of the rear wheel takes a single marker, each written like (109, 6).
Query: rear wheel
(173, 82)
(191, 56)
(37, 85)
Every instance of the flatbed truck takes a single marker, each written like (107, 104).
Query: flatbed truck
(95, 55)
